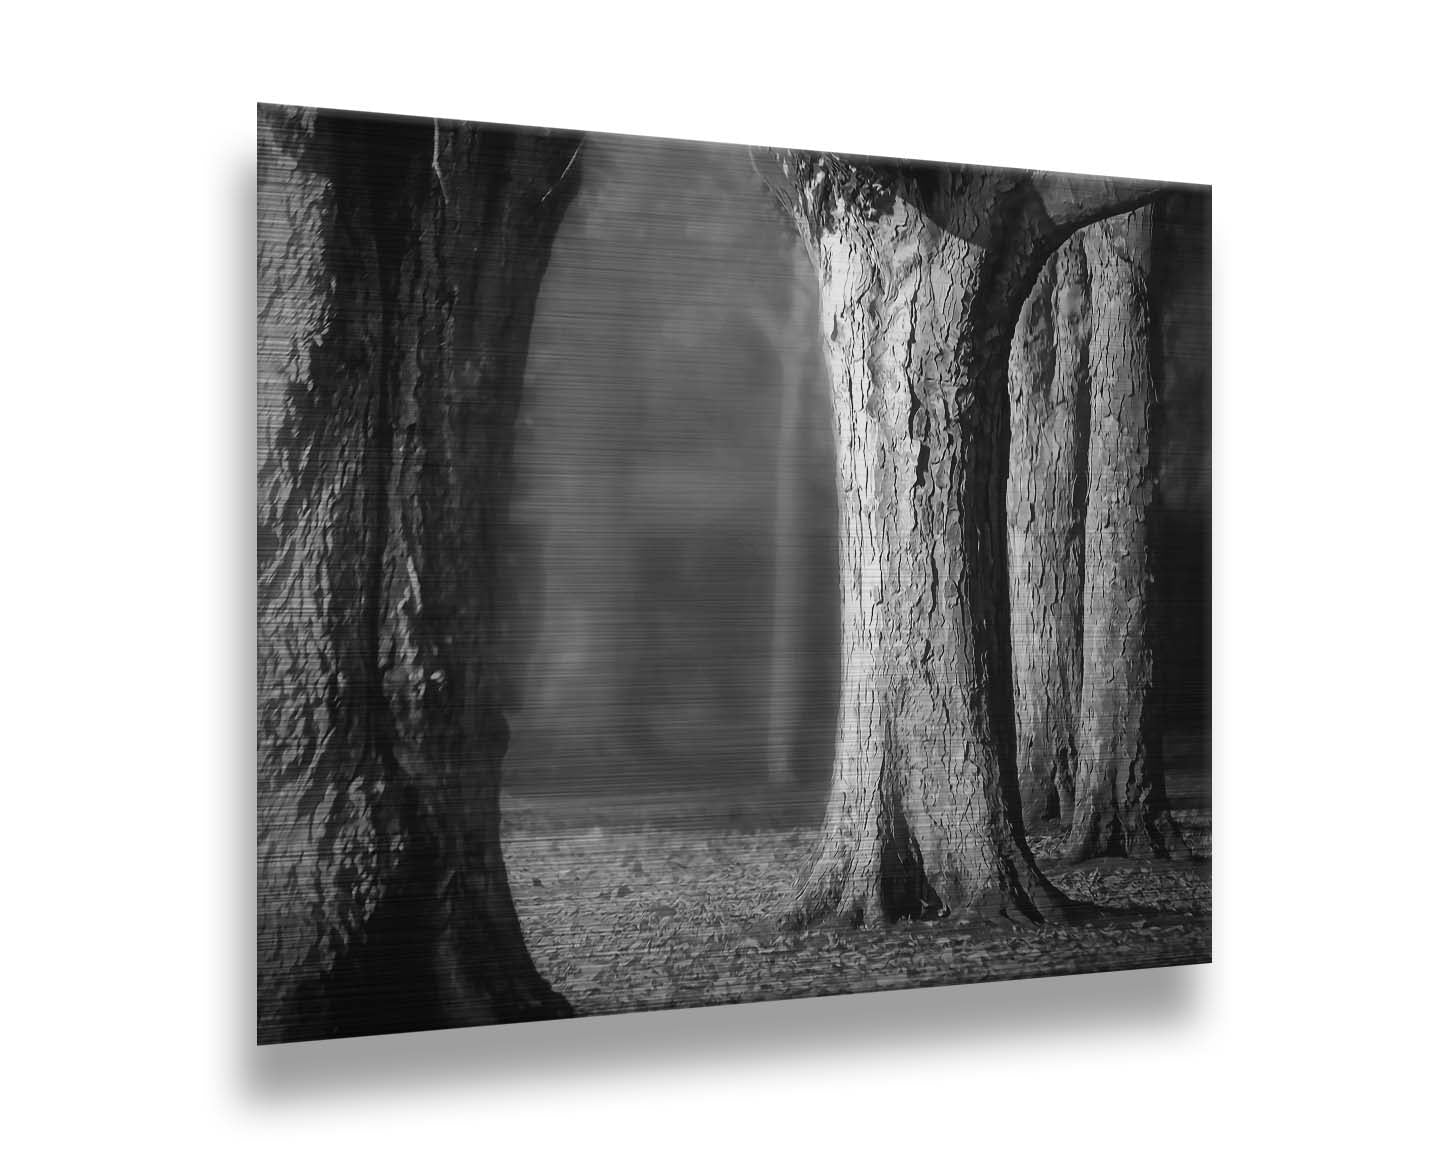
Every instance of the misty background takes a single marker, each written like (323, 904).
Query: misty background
(674, 523)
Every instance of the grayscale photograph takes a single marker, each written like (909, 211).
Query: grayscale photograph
(692, 574)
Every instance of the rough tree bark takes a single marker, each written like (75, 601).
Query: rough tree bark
(922, 275)
(399, 262)
(1120, 803)
(1049, 432)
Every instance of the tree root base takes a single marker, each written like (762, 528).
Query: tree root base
(1020, 907)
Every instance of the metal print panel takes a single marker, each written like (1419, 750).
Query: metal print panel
(692, 574)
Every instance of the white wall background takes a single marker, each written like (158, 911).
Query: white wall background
(128, 473)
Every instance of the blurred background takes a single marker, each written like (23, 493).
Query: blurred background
(675, 513)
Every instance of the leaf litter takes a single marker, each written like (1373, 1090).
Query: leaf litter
(626, 918)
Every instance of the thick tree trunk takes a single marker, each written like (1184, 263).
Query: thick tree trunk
(1049, 430)
(398, 267)
(922, 276)
(1120, 806)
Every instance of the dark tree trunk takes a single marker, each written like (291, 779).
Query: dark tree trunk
(399, 262)
(922, 276)
(1049, 422)
(1120, 805)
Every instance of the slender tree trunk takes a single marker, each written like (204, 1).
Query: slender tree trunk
(398, 267)
(1049, 420)
(1120, 805)
(922, 276)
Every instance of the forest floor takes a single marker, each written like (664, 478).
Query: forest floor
(625, 911)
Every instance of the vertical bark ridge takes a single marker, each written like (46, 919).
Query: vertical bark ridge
(1049, 399)
(1120, 806)
(398, 267)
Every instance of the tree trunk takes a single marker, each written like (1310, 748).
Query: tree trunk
(399, 262)
(1049, 430)
(1120, 805)
(922, 275)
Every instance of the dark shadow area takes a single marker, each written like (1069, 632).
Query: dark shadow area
(1182, 517)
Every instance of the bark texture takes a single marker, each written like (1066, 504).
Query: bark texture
(1120, 804)
(399, 262)
(922, 275)
(1049, 421)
